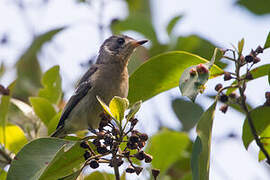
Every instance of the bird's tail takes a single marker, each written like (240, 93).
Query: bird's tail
(59, 132)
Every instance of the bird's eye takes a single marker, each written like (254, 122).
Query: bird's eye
(120, 41)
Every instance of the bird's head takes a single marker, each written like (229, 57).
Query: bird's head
(118, 48)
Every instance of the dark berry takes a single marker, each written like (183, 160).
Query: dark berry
(130, 169)
(242, 59)
(108, 140)
(96, 142)
(192, 72)
(102, 149)
(3, 90)
(267, 95)
(138, 170)
(233, 95)
(256, 60)
(120, 162)
(133, 121)
(139, 155)
(218, 87)
(249, 58)
(115, 132)
(144, 137)
(148, 158)
(224, 108)
(249, 76)
(132, 145)
(136, 132)
(94, 164)
(126, 153)
(86, 155)
(134, 138)
(141, 144)
(202, 69)
(223, 98)
(100, 135)
(227, 76)
(84, 145)
(155, 173)
(259, 49)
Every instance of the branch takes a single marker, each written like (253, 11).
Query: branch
(116, 172)
(252, 127)
(242, 89)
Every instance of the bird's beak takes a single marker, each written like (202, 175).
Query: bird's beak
(136, 43)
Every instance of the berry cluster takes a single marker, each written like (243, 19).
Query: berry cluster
(113, 145)
(240, 80)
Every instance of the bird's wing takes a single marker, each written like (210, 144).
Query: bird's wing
(83, 87)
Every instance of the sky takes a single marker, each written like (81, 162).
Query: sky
(218, 21)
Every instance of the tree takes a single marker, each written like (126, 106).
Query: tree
(31, 106)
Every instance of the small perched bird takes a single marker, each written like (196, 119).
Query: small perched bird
(107, 78)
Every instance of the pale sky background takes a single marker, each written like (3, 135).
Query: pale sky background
(219, 21)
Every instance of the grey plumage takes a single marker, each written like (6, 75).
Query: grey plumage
(106, 79)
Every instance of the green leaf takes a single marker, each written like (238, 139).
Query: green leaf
(46, 158)
(195, 158)
(51, 82)
(54, 122)
(258, 7)
(187, 112)
(162, 73)
(15, 138)
(260, 117)
(241, 45)
(167, 147)
(2, 69)
(133, 110)
(269, 76)
(192, 85)
(193, 79)
(118, 107)
(104, 106)
(3, 175)
(265, 139)
(99, 176)
(200, 161)
(172, 23)
(28, 67)
(256, 73)
(68, 160)
(267, 42)
(72, 176)
(43, 109)
(25, 108)
(182, 168)
(200, 46)
(4, 106)
(261, 156)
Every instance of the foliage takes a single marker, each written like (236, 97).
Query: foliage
(259, 7)
(162, 73)
(31, 108)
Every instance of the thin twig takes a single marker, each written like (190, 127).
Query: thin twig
(252, 127)
(242, 89)
(6, 156)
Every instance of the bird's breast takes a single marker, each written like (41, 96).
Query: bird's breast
(111, 82)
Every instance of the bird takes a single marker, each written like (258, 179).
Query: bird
(107, 78)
